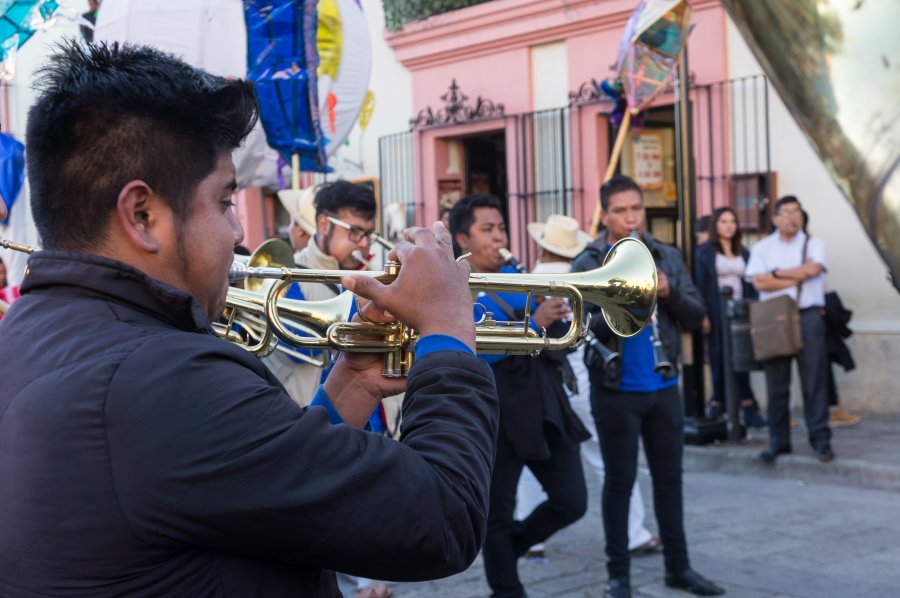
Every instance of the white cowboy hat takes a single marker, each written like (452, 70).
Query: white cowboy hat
(561, 235)
(301, 205)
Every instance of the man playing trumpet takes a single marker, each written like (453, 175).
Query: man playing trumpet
(140, 454)
(538, 428)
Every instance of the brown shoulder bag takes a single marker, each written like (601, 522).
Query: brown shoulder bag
(775, 324)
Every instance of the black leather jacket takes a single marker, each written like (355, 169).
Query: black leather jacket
(682, 310)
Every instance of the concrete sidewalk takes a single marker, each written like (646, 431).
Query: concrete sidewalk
(798, 528)
(868, 455)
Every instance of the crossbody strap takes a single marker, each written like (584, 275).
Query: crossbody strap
(802, 261)
(334, 288)
(503, 305)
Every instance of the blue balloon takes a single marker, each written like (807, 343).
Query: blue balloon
(282, 61)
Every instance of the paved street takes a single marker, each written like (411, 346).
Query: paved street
(800, 529)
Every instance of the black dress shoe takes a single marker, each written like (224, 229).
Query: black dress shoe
(769, 455)
(824, 454)
(618, 587)
(691, 581)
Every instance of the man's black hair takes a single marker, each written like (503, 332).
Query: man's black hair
(462, 214)
(359, 198)
(108, 114)
(617, 184)
(784, 200)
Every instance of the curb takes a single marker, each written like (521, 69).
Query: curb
(741, 460)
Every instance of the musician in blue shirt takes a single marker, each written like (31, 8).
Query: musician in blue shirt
(537, 426)
(641, 400)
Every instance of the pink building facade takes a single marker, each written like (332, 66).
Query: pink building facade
(541, 160)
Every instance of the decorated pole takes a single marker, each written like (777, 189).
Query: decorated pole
(648, 54)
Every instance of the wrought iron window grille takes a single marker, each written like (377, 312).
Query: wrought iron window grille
(456, 110)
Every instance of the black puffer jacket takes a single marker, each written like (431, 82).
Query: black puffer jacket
(140, 455)
(682, 310)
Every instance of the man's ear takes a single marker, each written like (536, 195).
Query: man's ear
(322, 224)
(138, 213)
(462, 240)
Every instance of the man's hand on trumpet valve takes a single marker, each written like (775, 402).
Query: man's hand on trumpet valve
(662, 289)
(356, 384)
(431, 292)
(551, 310)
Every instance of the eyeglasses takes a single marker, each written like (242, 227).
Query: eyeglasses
(790, 212)
(355, 233)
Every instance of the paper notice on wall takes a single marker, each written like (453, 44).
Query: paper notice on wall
(648, 160)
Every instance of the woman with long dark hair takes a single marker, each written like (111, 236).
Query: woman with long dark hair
(721, 262)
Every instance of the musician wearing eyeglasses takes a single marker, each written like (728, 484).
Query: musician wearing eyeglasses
(142, 455)
(341, 226)
(640, 399)
(538, 428)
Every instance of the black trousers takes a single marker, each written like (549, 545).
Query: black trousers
(812, 363)
(562, 478)
(658, 418)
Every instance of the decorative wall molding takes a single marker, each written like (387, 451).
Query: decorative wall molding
(508, 24)
(589, 91)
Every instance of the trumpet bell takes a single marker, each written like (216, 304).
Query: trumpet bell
(273, 253)
(312, 317)
(624, 287)
(627, 290)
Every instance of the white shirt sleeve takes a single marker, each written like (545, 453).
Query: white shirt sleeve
(815, 251)
(756, 264)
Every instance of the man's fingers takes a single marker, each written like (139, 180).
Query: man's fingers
(372, 313)
(400, 251)
(443, 236)
(420, 236)
(409, 234)
(364, 286)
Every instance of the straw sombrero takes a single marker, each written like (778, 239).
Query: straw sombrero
(301, 205)
(561, 235)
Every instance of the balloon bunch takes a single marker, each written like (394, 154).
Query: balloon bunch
(616, 91)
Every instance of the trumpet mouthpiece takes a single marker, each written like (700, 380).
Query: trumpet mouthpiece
(237, 272)
(359, 257)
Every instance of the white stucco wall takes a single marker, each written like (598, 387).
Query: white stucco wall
(391, 83)
(856, 270)
(549, 76)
